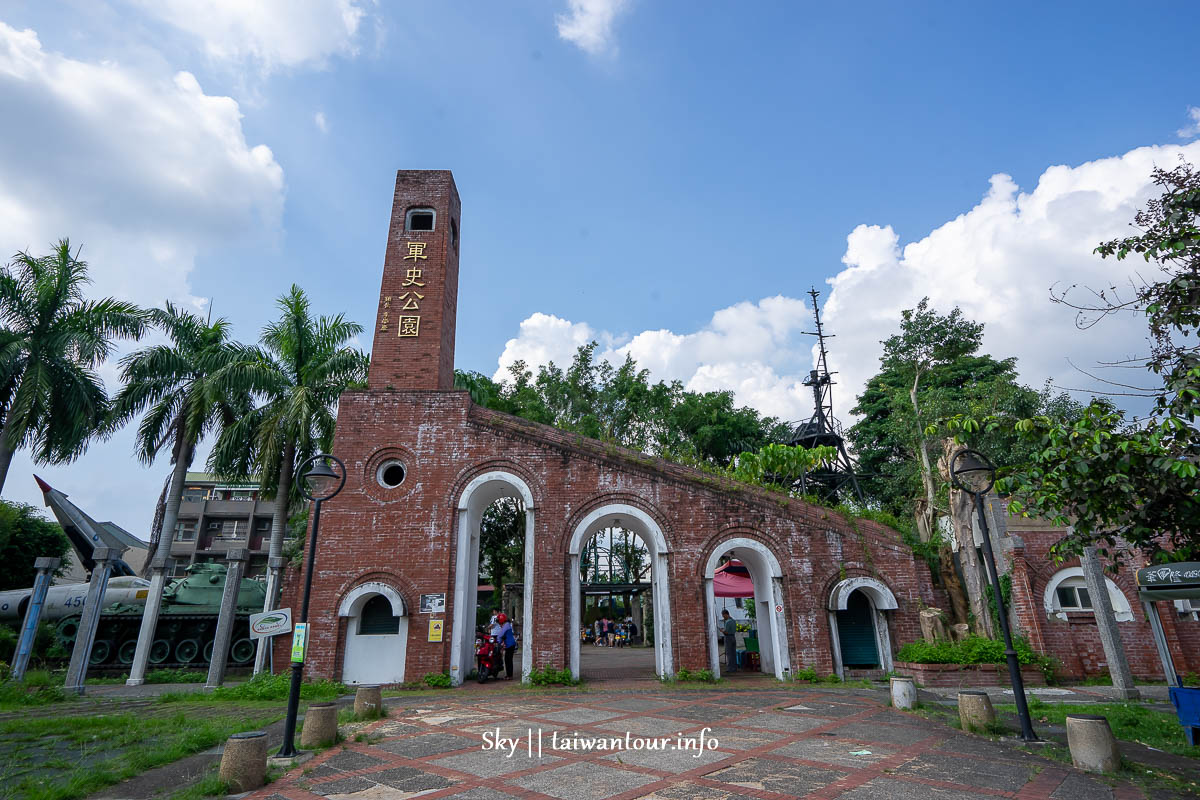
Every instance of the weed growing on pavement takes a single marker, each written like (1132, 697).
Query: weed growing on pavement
(1129, 721)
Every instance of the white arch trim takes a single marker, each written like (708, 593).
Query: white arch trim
(583, 532)
(768, 595)
(506, 478)
(357, 597)
(750, 544)
(481, 492)
(881, 596)
(643, 526)
(1121, 609)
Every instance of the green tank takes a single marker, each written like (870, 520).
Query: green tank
(187, 623)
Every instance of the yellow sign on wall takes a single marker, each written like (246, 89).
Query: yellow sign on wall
(435, 630)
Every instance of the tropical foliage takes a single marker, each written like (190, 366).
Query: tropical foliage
(52, 341)
(26, 535)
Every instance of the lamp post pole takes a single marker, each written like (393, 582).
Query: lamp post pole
(965, 466)
(320, 473)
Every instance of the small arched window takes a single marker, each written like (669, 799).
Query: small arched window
(377, 619)
(1067, 592)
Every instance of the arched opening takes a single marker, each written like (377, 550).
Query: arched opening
(501, 498)
(376, 635)
(858, 626)
(616, 631)
(762, 606)
(656, 602)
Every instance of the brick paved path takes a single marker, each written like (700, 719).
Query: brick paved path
(817, 743)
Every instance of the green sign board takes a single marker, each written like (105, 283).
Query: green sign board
(1178, 581)
(299, 642)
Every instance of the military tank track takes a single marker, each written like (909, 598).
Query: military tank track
(181, 641)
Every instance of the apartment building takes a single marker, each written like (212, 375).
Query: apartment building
(216, 516)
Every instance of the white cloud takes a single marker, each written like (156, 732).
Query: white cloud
(997, 262)
(271, 33)
(589, 25)
(1192, 129)
(321, 122)
(757, 350)
(143, 171)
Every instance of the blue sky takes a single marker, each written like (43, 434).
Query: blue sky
(649, 174)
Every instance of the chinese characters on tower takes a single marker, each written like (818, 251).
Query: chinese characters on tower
(410, 298)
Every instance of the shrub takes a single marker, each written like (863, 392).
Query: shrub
(548, 676)
(699, 676)
(972, 650)
(807, 674)
(265, 686)
(437, 680)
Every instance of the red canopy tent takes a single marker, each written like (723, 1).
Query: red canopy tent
(732, 579)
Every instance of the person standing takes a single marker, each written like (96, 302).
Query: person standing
(509, 640)
(729, 628)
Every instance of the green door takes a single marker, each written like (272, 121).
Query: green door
(856, 633)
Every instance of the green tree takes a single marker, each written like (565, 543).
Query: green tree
(52, 341)
(502, 543)
(24, 536)
(1122, 484)
(173, 385)
(298, 372)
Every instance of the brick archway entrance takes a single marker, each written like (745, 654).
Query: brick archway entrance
(770, 612)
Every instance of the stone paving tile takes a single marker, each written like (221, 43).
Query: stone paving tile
(490, 764)
(792, 723)
(743, 738)
(429, 744)
(583, 781)
(702, 713)
(323, 771)
(983, 748)
(409, 779)
(1081, 787)
(397, 729)
(339, 787)
(978, 772)
(824, 708)
(775, 776)
(835, 751)
(693, 791)
(889, 789)
(646, 726)
(523, 707)
(514, 728)
(673, 761)
(481, 793)
(876, 732)
(350, 760)
(637, 704)
(580, 716)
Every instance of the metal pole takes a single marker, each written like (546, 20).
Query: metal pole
(33, 615)
(288, 750)
(1014, 667)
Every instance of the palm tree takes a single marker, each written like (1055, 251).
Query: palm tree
(173, 384)
(52, 342)
(301, 368)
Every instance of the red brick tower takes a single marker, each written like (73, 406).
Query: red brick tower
(414, 329)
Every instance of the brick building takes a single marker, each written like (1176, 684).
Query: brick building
(216, 516)
(396, 582)
(423, 463)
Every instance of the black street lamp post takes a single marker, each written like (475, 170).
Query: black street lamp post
(319, 484)
(972, 472)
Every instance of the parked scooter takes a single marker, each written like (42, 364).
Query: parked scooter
(488, 661)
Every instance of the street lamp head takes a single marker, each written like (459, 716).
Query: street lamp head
(321, 481)
(971, 471)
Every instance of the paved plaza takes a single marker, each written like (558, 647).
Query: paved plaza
(761, 743)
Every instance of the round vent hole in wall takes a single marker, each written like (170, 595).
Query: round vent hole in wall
(390, 474)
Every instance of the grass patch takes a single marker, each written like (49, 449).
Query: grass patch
(1129, 721)
(106, 749)
(262, 687)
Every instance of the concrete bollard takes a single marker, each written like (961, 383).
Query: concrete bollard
(904, 693)
(368, 702)
(320, 725)
(1093, 746)
(244, 762)
(975, 710)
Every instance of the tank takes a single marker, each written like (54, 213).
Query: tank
(187, 623)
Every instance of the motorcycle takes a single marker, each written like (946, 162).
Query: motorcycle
(488, 661)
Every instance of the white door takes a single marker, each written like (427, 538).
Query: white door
(375, 644)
